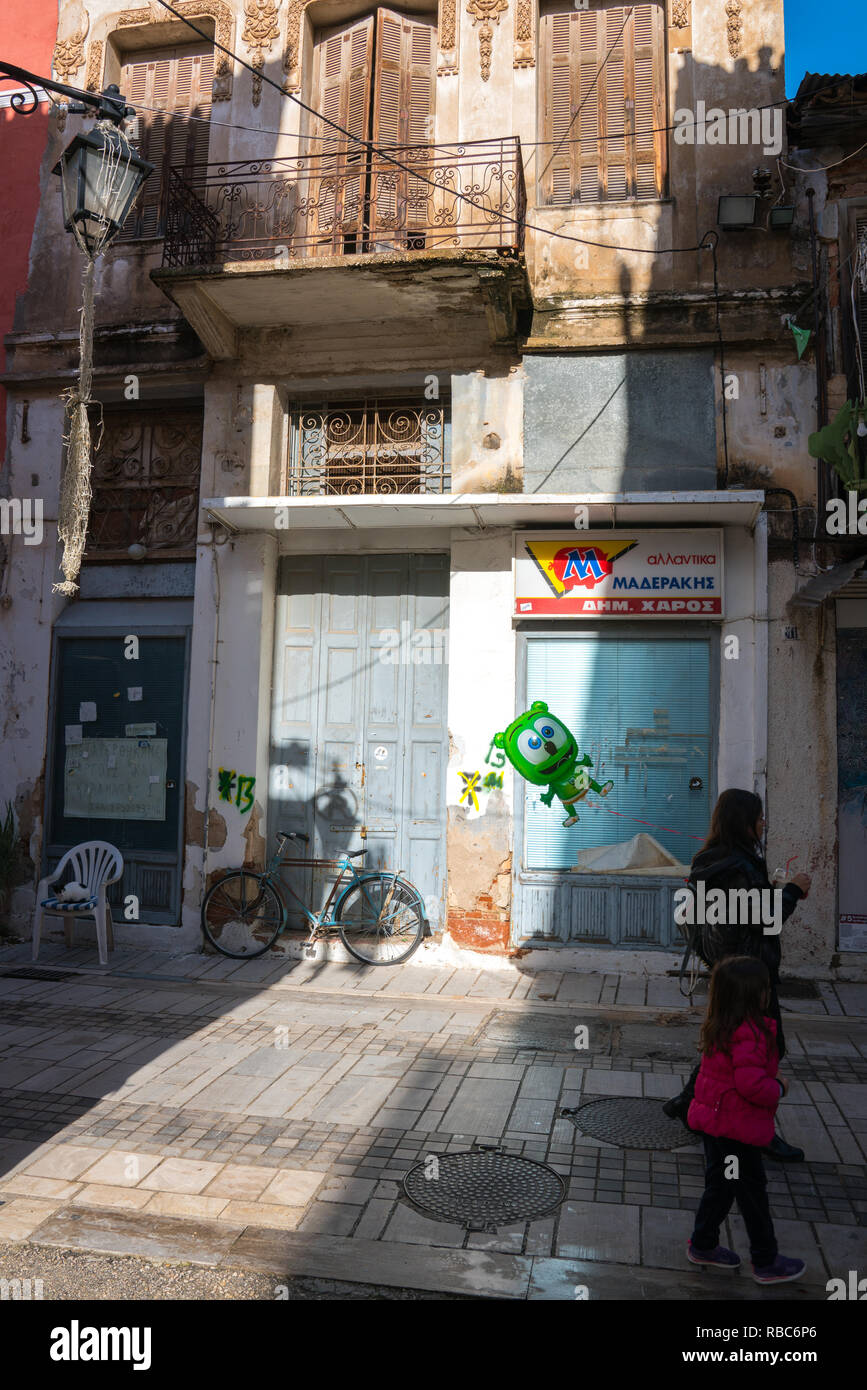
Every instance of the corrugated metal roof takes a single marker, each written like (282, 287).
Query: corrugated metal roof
(814, 82)
(821, 586)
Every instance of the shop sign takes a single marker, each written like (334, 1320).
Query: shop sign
(618, 574)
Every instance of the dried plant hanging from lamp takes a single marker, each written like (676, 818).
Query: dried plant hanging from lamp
(92, 231)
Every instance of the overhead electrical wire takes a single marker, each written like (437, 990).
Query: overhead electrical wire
(525, 144)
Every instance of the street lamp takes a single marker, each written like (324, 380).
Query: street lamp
(101, 174)
(100, 178)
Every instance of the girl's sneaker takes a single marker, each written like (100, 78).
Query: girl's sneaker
(782, 1271)
(720, 1258)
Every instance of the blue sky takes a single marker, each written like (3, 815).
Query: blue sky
(829, 36)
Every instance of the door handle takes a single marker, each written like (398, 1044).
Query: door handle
(361, 765)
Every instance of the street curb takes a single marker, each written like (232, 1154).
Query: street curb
(391, 1264)
(627, 1012)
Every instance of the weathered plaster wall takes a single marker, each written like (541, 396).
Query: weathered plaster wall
(481, 701)
(619, 422)
(802, 752)
(487, 430)
(28, 609)
(742, 745)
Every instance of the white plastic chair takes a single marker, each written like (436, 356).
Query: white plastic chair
(95, 865)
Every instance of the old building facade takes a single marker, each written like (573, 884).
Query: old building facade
(430, 388)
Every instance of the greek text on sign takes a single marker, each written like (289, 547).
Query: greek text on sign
(619, 574)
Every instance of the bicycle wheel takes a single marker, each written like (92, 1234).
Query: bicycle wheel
(376, 932)
(242, 915)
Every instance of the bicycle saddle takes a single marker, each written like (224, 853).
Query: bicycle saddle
(292, 835)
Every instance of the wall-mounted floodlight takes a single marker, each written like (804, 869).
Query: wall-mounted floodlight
(736, 210)
(781, 218)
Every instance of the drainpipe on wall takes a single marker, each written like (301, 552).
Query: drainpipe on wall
(823, 473)
(215, 660)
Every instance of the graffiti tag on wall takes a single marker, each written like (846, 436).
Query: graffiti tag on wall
(233, 787)
(473, 785)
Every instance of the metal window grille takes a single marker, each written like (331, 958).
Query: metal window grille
(146, 471)
(375, 446)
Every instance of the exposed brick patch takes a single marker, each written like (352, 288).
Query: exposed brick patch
(480, 930)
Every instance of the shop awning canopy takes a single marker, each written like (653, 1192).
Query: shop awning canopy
(487, 509)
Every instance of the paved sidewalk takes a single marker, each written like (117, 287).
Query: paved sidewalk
(515, 982)
(262, 1116)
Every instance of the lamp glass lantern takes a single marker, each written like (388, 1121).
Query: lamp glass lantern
(737, 210)
(100, 178)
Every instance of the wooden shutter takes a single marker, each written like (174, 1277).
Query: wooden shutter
(604, 99)
(167, 88)
(403, 107)
(344, 60)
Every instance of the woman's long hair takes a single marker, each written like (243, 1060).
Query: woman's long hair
(739, 993)
(733, 823)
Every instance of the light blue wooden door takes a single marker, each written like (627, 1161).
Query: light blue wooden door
(359, 738)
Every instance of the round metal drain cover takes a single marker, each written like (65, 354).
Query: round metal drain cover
(483, 1188)
(630, 1123)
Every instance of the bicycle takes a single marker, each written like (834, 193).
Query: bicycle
(379, 916)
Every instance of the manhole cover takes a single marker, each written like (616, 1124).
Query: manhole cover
(25, 973)
(630, 1123)
(482, 1189)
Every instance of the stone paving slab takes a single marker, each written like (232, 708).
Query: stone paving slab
(129, 1233)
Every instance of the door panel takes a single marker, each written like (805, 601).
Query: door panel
(342, 74)
(375, 77)
(852, 787)
(129, 702)
(403, 106)
(359, 727)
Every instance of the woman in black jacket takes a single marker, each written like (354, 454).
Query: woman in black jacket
(731, 858)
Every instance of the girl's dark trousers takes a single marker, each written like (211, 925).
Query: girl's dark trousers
(750, 1190)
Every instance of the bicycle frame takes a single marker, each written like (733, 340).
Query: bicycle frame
(347, 878)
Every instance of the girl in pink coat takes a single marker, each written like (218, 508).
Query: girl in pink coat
(736, 1096)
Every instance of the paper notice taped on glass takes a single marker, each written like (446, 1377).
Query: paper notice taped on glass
(116, 778)
(641, 854)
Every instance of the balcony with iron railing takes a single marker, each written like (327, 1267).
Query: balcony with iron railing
(267, 243)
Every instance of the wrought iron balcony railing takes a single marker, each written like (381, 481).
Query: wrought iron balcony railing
(445, 196)
(373, 446)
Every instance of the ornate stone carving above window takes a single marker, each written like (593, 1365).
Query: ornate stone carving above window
(525, 34)
(486, 13)
(680, 17)
(734, 25)
(69, 53)
(224, 19)
(260, 31)
(449, 37)
(93, 72)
